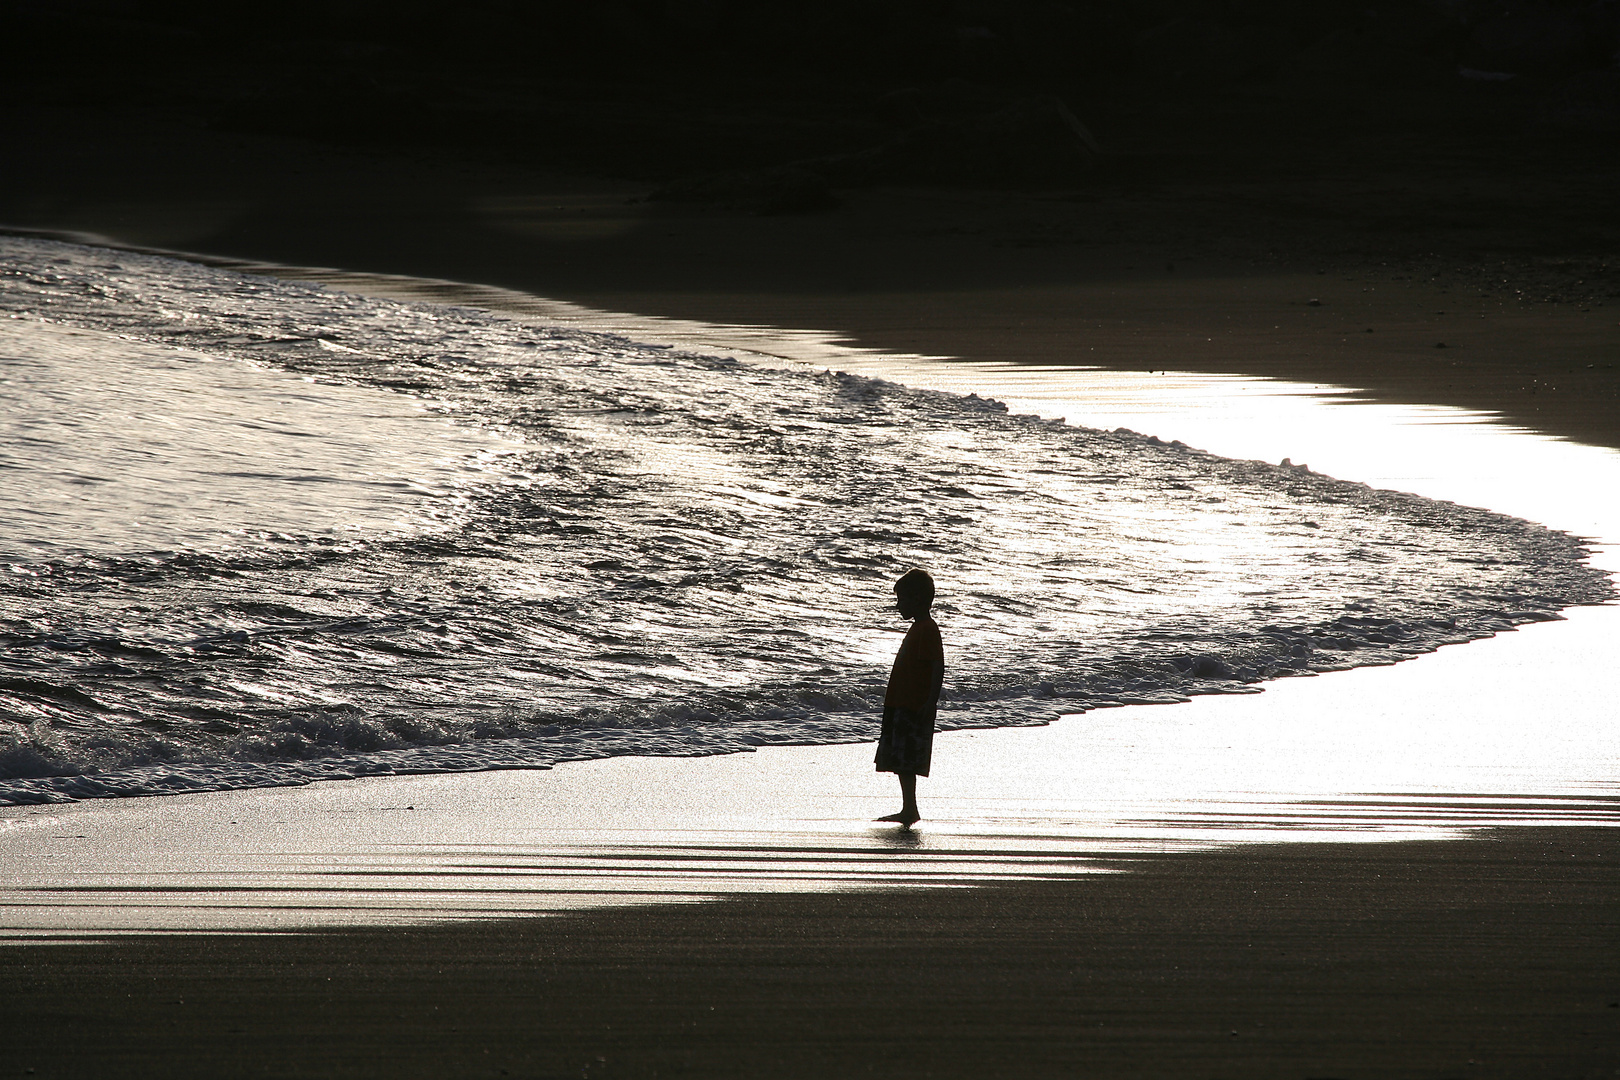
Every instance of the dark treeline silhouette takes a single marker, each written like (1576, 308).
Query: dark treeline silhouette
(844, 92)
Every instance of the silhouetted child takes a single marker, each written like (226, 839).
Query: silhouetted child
(912, 699)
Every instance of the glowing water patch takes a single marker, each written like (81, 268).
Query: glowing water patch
(111, 445)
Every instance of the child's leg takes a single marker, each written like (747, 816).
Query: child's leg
(908, 794)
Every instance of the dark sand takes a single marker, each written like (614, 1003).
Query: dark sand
(1492, 957)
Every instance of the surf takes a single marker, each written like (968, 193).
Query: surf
(566, 544)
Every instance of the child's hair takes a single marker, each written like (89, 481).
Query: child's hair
(916, 583)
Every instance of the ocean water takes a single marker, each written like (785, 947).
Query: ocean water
(256, 532)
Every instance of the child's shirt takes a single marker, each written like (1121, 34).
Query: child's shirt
(911, 682)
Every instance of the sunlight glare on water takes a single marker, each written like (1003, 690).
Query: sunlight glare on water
(685, 553)
(1438, 451)
(110, 445)
(1528, 712)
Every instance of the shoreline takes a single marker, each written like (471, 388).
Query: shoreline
(1580, 524)
(1434, 748)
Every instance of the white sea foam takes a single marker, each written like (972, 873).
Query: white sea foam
(686, 554)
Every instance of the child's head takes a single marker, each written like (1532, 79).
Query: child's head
(914, 593)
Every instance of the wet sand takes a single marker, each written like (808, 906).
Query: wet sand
(1490, 957)
(1486, 957)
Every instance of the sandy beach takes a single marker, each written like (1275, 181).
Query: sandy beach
(1488, 957)
(1469, 948)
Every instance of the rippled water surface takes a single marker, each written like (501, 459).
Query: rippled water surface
(113, 445)
(625, 548)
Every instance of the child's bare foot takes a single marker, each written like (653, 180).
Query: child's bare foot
(904, 817)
